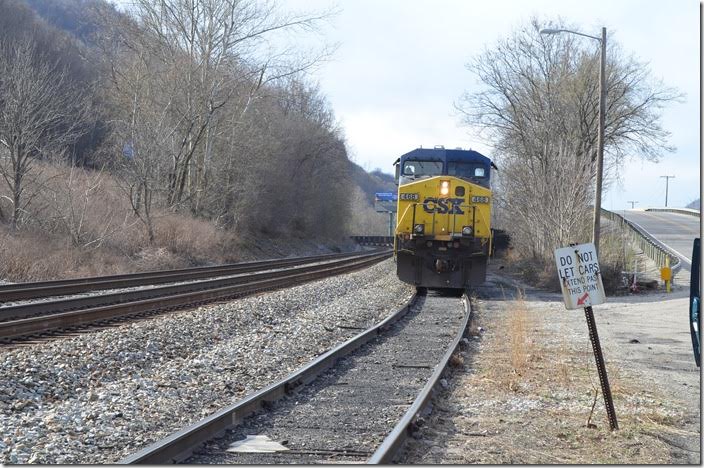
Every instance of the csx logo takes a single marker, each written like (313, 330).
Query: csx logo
(443, 205)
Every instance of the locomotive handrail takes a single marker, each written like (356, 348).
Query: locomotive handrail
(432, 223)
(405, 212)
(401, 218)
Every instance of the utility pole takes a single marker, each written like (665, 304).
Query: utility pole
(633, 203)
(601, 128)
(600, 142)
(667, 180)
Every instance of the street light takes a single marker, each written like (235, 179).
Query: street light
(602, 115)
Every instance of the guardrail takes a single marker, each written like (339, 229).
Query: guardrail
(686, 211)
(374, 240)
(652, 247)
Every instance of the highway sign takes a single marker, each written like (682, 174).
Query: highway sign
(385, 196)
(580, 276)
(385, 202)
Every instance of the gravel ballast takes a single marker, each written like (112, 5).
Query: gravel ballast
(99, 396)
(345, 414)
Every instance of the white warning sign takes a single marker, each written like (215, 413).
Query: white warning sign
(580, 276)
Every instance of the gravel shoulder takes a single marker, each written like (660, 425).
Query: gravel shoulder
(97, 397)
(526, 390)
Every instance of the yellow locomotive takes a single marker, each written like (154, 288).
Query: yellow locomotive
(443, 232)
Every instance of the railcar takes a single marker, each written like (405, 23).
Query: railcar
(443, 231)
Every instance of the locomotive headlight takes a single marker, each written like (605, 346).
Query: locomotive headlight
(466, 230)
(444, 187)
(418, 228)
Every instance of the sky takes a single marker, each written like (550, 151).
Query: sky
(399, 67)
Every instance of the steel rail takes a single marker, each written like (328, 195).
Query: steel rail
(180, 445)
(76, 303)
(35, 325)
(393, 443)
(19, 291)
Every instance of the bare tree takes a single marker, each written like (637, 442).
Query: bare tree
(539, 110)
(81, 207)
(208, 52)
(363, 218)
(216, 120)
(141, 133)
(39, 113)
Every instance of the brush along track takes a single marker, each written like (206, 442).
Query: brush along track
(146, 302)
(22, 291)
(346, 413)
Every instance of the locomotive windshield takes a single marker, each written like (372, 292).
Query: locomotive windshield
(467, 170)
(426, 162)
(422, 168)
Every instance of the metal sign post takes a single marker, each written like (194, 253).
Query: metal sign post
(666, 275)
(580, 280)
(385, 202)
(601, 368)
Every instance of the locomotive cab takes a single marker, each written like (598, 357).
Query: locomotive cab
(443, 232)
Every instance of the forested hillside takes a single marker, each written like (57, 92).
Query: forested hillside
(115, 126)
(372, 182)
(364, 219)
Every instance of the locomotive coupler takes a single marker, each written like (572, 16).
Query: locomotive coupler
(442, 265)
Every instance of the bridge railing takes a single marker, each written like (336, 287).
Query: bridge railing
(653, 248)
(686, 211)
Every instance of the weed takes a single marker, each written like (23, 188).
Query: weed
(518, 335)
(456, 361)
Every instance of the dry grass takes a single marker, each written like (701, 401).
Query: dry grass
(511, 373)
(517, 328)
(615, 255)
(529, 391)
(35, 257)
(80, 224)
(456, 360)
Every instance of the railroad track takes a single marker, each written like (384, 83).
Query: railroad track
(36, 290)
(355, 403)
(37, 318)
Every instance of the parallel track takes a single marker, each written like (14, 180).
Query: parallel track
(34, 309)
(356, 391)
(42, 317)
(21, 291)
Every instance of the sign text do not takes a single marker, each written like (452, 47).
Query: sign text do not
(580, 276)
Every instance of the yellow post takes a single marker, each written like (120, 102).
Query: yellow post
(666, 274)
